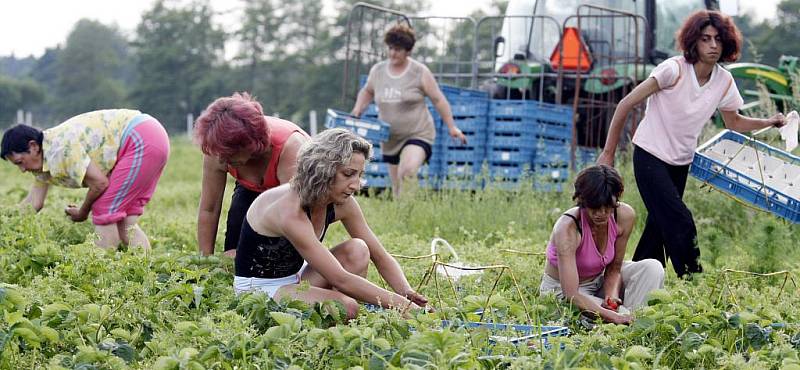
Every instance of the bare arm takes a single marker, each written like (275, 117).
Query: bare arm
(365, 96)
(208, 212)
(566, 239)
(737, 122)
(356, 225)
(612, 282)
(431, 89)
(287, 163)
(300, 232)
(36, 196)
(97, 182)
(636, 97)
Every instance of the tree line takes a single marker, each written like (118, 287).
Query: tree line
(289, 55)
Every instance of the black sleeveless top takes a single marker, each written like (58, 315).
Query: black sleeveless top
(271, 257)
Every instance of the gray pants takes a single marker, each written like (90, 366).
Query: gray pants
(638, 279)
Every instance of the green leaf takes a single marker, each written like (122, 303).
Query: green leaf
(638, 353)
(27, 334)
(166, 363)
(283, 318)
(49, 333)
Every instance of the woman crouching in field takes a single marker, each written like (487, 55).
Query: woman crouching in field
(119, 154)
(281, 240)
(584, 256)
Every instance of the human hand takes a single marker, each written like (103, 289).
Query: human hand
(456, 133)
(606, 158)
(778, 120)
(75, 213)
(616, 318)
(416, 298)
(355, 113)
(230, 253)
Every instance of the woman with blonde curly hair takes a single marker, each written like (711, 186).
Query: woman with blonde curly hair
(281, 240)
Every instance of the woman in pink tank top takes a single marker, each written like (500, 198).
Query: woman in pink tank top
(586, 250)
(260, 152)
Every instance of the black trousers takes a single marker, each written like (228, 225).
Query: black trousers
(669, 231)
(240, 202)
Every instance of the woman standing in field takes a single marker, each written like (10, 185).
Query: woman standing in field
(281, 240)
(119, 154)
(584, 256)
(399, 86)
(683, 92)
(258, 151)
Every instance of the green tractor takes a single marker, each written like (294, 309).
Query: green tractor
(777, 81)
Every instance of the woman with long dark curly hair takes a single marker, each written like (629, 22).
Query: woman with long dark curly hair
(683, 92)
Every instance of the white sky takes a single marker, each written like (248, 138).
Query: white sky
(29, 26)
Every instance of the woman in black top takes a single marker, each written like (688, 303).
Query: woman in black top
(280, 244)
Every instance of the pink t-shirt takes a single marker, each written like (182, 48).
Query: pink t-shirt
(675, 115)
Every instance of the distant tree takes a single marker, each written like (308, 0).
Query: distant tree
(179, 60)
(17, 94)
(91, 70)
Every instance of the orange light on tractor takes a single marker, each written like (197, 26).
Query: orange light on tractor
(574, 55)
(510, 68)
(608, 76)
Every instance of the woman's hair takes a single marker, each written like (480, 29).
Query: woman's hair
(16, 139)
(320, 158)
(691, 31)
(400, 36)
(598, 186)
(232, 124)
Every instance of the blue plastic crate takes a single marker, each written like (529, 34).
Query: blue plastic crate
(509, 155)
(455, 91)
(376, 181)
(552, 155)
(585, 156)
(508, 141)
(368, 128)
(505, 184)
(521, 334)
(470, 124)
(377, 168)
(512, 108)
(730, 172)
(555, 130)
(554, 173)
(461, 169)
(508, 171)
(518, 125)
(468, 109)
(554, 113)
(371, 111)
(463, 154)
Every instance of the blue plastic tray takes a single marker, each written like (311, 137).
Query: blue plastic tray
(718, 171)
(517, 142)
(368, 128)
(376, 181)
(509, 155)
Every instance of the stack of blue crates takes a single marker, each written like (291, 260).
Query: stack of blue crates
(511, 142)
(461, 163)
(553, 139)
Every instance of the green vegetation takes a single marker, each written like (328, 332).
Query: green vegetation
(67, 304)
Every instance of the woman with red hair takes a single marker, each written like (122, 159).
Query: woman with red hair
(683, 92)
(260, 152)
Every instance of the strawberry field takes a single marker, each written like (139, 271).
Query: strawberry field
(66, 304)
